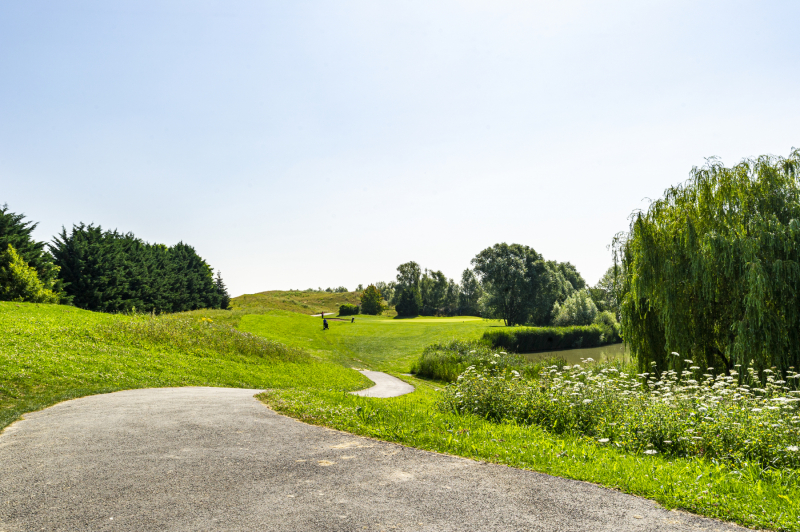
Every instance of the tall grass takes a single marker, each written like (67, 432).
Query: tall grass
(201, 336)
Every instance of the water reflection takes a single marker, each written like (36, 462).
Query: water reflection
(606, 353)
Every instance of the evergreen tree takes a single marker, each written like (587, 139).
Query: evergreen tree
(110, 272)
(222, 290)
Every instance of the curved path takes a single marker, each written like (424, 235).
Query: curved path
(190, 459)
(385, 385)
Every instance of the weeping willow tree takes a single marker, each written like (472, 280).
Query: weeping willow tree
(712, 269)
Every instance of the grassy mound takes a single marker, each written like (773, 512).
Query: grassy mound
(50, 353)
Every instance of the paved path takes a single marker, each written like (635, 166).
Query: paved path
(385, 385)
(192, 459)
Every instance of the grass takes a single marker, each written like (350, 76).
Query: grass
(302, 302)
(50, 353)
(751, 496)
(377, 342)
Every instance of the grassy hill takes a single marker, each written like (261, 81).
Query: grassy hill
(303, 302)
(50, 353)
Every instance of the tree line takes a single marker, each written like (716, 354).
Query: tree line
(104, 270)
(511, 282)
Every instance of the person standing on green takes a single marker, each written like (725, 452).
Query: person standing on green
(324, 324)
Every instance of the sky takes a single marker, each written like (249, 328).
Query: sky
(314, 144)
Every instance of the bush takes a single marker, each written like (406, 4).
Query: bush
(20, 282)
(348, 309)
(533, 339)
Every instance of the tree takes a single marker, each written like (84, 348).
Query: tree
(508, 272)
(469, 293)
(450, 302)
(432, 287)
(386, 289)
(20, 282)
(222, 291)
(577, 309)
(372, 301)
(17, 232)
(571, 274)
(111, 272)
(606, 292)
(407, 297)
(712, 269)
(551, 287)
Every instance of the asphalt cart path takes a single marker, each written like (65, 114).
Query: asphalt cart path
(190, 459)
(385, 385)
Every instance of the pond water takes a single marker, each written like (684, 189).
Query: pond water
(606, 353)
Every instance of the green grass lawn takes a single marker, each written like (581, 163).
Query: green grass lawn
(374, 342)
(50, 353)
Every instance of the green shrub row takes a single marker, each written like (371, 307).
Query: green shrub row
(533, 339)
(348, 309)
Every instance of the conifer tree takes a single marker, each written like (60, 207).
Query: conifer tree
(222, 290)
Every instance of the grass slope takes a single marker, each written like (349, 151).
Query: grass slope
(302, 302)
(50, 353)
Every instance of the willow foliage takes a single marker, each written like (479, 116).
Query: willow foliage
(712, 269)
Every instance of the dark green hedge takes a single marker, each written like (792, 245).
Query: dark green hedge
(348, 309)
(533, 339)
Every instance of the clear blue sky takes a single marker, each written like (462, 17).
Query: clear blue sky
(303, 144)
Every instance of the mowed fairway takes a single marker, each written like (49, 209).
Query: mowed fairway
(381, 343)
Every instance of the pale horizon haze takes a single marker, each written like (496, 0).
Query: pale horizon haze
(316, 144)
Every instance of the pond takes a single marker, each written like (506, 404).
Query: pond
(606, 353)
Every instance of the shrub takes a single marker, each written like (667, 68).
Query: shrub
(348, 309)
(20, 282)
(533, 339)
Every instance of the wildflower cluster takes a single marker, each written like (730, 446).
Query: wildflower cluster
(730, 416)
